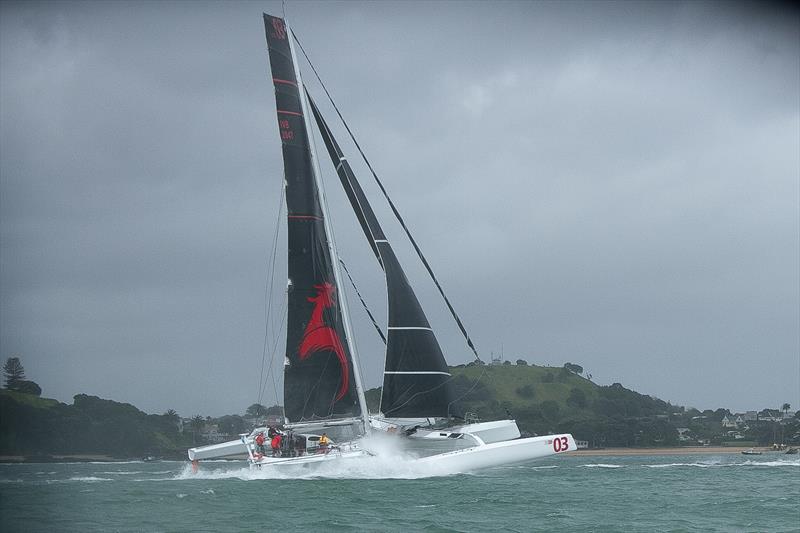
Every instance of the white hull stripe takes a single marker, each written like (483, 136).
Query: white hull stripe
(419, 372)
(411, 327)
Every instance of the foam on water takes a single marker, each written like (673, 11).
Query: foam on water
(375, 467)
(721, 464)
(387, 461)
(600, 465)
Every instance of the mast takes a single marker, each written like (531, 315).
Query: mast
(349, 337)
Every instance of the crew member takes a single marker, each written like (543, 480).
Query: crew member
(260, 442)
(323, 443)
(276, 445)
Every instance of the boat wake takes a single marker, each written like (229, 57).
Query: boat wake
(373, 467)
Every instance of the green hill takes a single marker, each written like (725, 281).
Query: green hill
(542, 400)
(30, 425)
(548, 400)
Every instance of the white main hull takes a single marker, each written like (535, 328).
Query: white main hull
(467, 459)
(312, 459)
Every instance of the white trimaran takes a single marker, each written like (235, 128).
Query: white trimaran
(323, 390)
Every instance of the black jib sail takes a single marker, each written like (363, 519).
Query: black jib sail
(318, 377)
(416, 381)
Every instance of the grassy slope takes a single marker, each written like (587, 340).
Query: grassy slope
(504, 380)
(30, 399)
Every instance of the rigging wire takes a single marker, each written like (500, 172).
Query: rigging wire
(271, 370)
(474, 384)
(391, 204)
(363, 303)
(268, 291)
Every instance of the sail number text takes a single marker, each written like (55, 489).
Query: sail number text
(560, 444)
(286, 133)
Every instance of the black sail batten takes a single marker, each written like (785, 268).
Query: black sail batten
(416, 381)
(319, 373)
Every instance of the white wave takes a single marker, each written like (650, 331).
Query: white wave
(12, 481)
(701, 464)
(107, 463)
(720, 464)
(355, 468)
(209, 491)
(180, 495)
(601, 465)
(388, 461)
(789, 462)
(89, 479)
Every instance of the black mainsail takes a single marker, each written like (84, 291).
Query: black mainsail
(416, 380)
(319, 378)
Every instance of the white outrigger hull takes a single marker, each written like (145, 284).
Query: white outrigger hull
(499, 454)
(223, 449)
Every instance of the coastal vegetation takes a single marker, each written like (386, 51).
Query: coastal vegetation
(542, 399)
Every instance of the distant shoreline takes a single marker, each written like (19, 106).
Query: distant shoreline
(609, 452)
(683, 450)
(77, 458)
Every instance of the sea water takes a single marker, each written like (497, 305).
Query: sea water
(564, 493)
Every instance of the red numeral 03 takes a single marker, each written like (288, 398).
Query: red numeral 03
(560, 444)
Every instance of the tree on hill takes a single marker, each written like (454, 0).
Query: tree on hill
(274, 410)
(231, 424)
(13, 372)
(256, 411)
(15, 378)
(28, 387)
(575, 369)
(197, 424)
(522, 362)
(785, 408)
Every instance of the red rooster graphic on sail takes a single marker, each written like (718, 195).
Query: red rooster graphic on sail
(321, 338)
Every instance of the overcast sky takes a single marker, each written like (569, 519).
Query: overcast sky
(611, 184)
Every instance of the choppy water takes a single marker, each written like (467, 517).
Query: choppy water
(657, 493)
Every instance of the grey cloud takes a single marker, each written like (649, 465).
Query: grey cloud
(614, 184)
